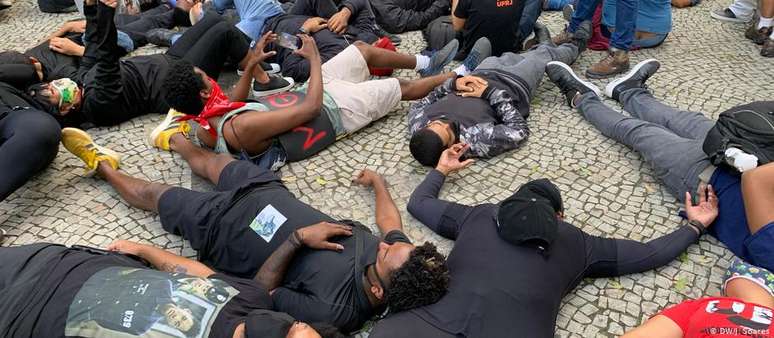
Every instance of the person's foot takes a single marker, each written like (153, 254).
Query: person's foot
(768, 49)
(635, 78)
(727, 15)
(758, 36)
(161, 135)
(160, 36)
(540, 34)
(568, 82)
(616, 62)
(80, 144)
(440, 59)
(567, 11)
(481, 50)
(276, 84)
(580, 37)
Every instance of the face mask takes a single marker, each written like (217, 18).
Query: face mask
(67, 90)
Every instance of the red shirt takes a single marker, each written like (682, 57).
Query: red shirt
(721, 317)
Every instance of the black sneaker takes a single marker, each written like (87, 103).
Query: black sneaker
(568, 82)
(582, 35)
(635, 78)
(161, 37)
(276, 84)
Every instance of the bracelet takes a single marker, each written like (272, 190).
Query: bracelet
(295, 239)
(698, 226)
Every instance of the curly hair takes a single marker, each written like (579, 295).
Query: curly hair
(182, 86)
(422, 280)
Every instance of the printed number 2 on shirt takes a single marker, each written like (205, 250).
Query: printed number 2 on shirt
(267, 222)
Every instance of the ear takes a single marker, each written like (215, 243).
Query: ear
(377, 292)
(205, 94)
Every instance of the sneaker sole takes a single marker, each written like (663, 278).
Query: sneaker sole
(101, 149)
(610, 86)
(275, 91)
(151, 140)
(575, 76)
(727, 19)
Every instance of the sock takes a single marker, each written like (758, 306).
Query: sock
(423, 61)
(461, 70)
(765, 22)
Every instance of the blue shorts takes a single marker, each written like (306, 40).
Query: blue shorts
(759, 247)
(272, 159)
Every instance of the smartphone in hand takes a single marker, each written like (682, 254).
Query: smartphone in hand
(289, 41)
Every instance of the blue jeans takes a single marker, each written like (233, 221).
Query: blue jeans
(532, 10)
(252, 13)
(272, 159)
(650, 42)
(625, 20)
(557, 5)
(669, 139)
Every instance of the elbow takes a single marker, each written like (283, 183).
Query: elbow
(414, 204)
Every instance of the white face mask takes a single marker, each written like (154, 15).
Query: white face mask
(67, 90)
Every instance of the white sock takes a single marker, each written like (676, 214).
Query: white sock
(765, 22)
(423, 61)
(461, 70)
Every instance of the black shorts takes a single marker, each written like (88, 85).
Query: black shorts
(190, 213)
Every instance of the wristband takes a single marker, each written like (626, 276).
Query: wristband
(303, 31)
(295, 239)
(698, 226)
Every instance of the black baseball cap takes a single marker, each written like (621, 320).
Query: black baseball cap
(528, 217)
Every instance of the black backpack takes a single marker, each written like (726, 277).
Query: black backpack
(748, 127)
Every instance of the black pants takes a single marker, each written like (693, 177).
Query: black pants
(57, 6)
(210, 43)
(29, 141)
(136, 26)
(362, 27)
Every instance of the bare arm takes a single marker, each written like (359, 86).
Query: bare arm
(457, 22)
(387, 214)
(658, 326)
(315, 236)
(268, 124)
(162, 260)
(758, 193)
(255, 56)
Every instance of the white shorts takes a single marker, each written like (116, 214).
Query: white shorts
(345, 79)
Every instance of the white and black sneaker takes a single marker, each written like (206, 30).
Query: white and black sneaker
(276, 84)
(635, 78)
(269, 68)
(568, 82)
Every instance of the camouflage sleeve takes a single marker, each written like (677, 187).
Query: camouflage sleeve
(416, 114)
(488, 139)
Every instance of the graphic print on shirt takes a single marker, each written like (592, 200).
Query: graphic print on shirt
(753, 323)
(128, 302)
(267, 222)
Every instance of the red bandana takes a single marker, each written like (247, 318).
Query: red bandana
(217, 105)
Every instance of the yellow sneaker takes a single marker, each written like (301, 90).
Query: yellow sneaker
(80, 144)
(160, 136)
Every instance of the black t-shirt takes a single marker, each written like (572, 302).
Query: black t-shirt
(497, 20)
(327, 286)
(56, 65)
(498, 289)
(467, 111)
(48, 290)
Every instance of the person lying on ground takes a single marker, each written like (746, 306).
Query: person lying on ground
(745, 309)
(107, 91)
(486, 109)
(49, 290)
(252, 221)
(672, 140)
(513, 261)
(296, 125)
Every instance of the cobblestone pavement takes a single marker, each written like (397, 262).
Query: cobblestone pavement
(706, 66)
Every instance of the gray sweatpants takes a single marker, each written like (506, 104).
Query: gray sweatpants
(669, 139)
(531, 65)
